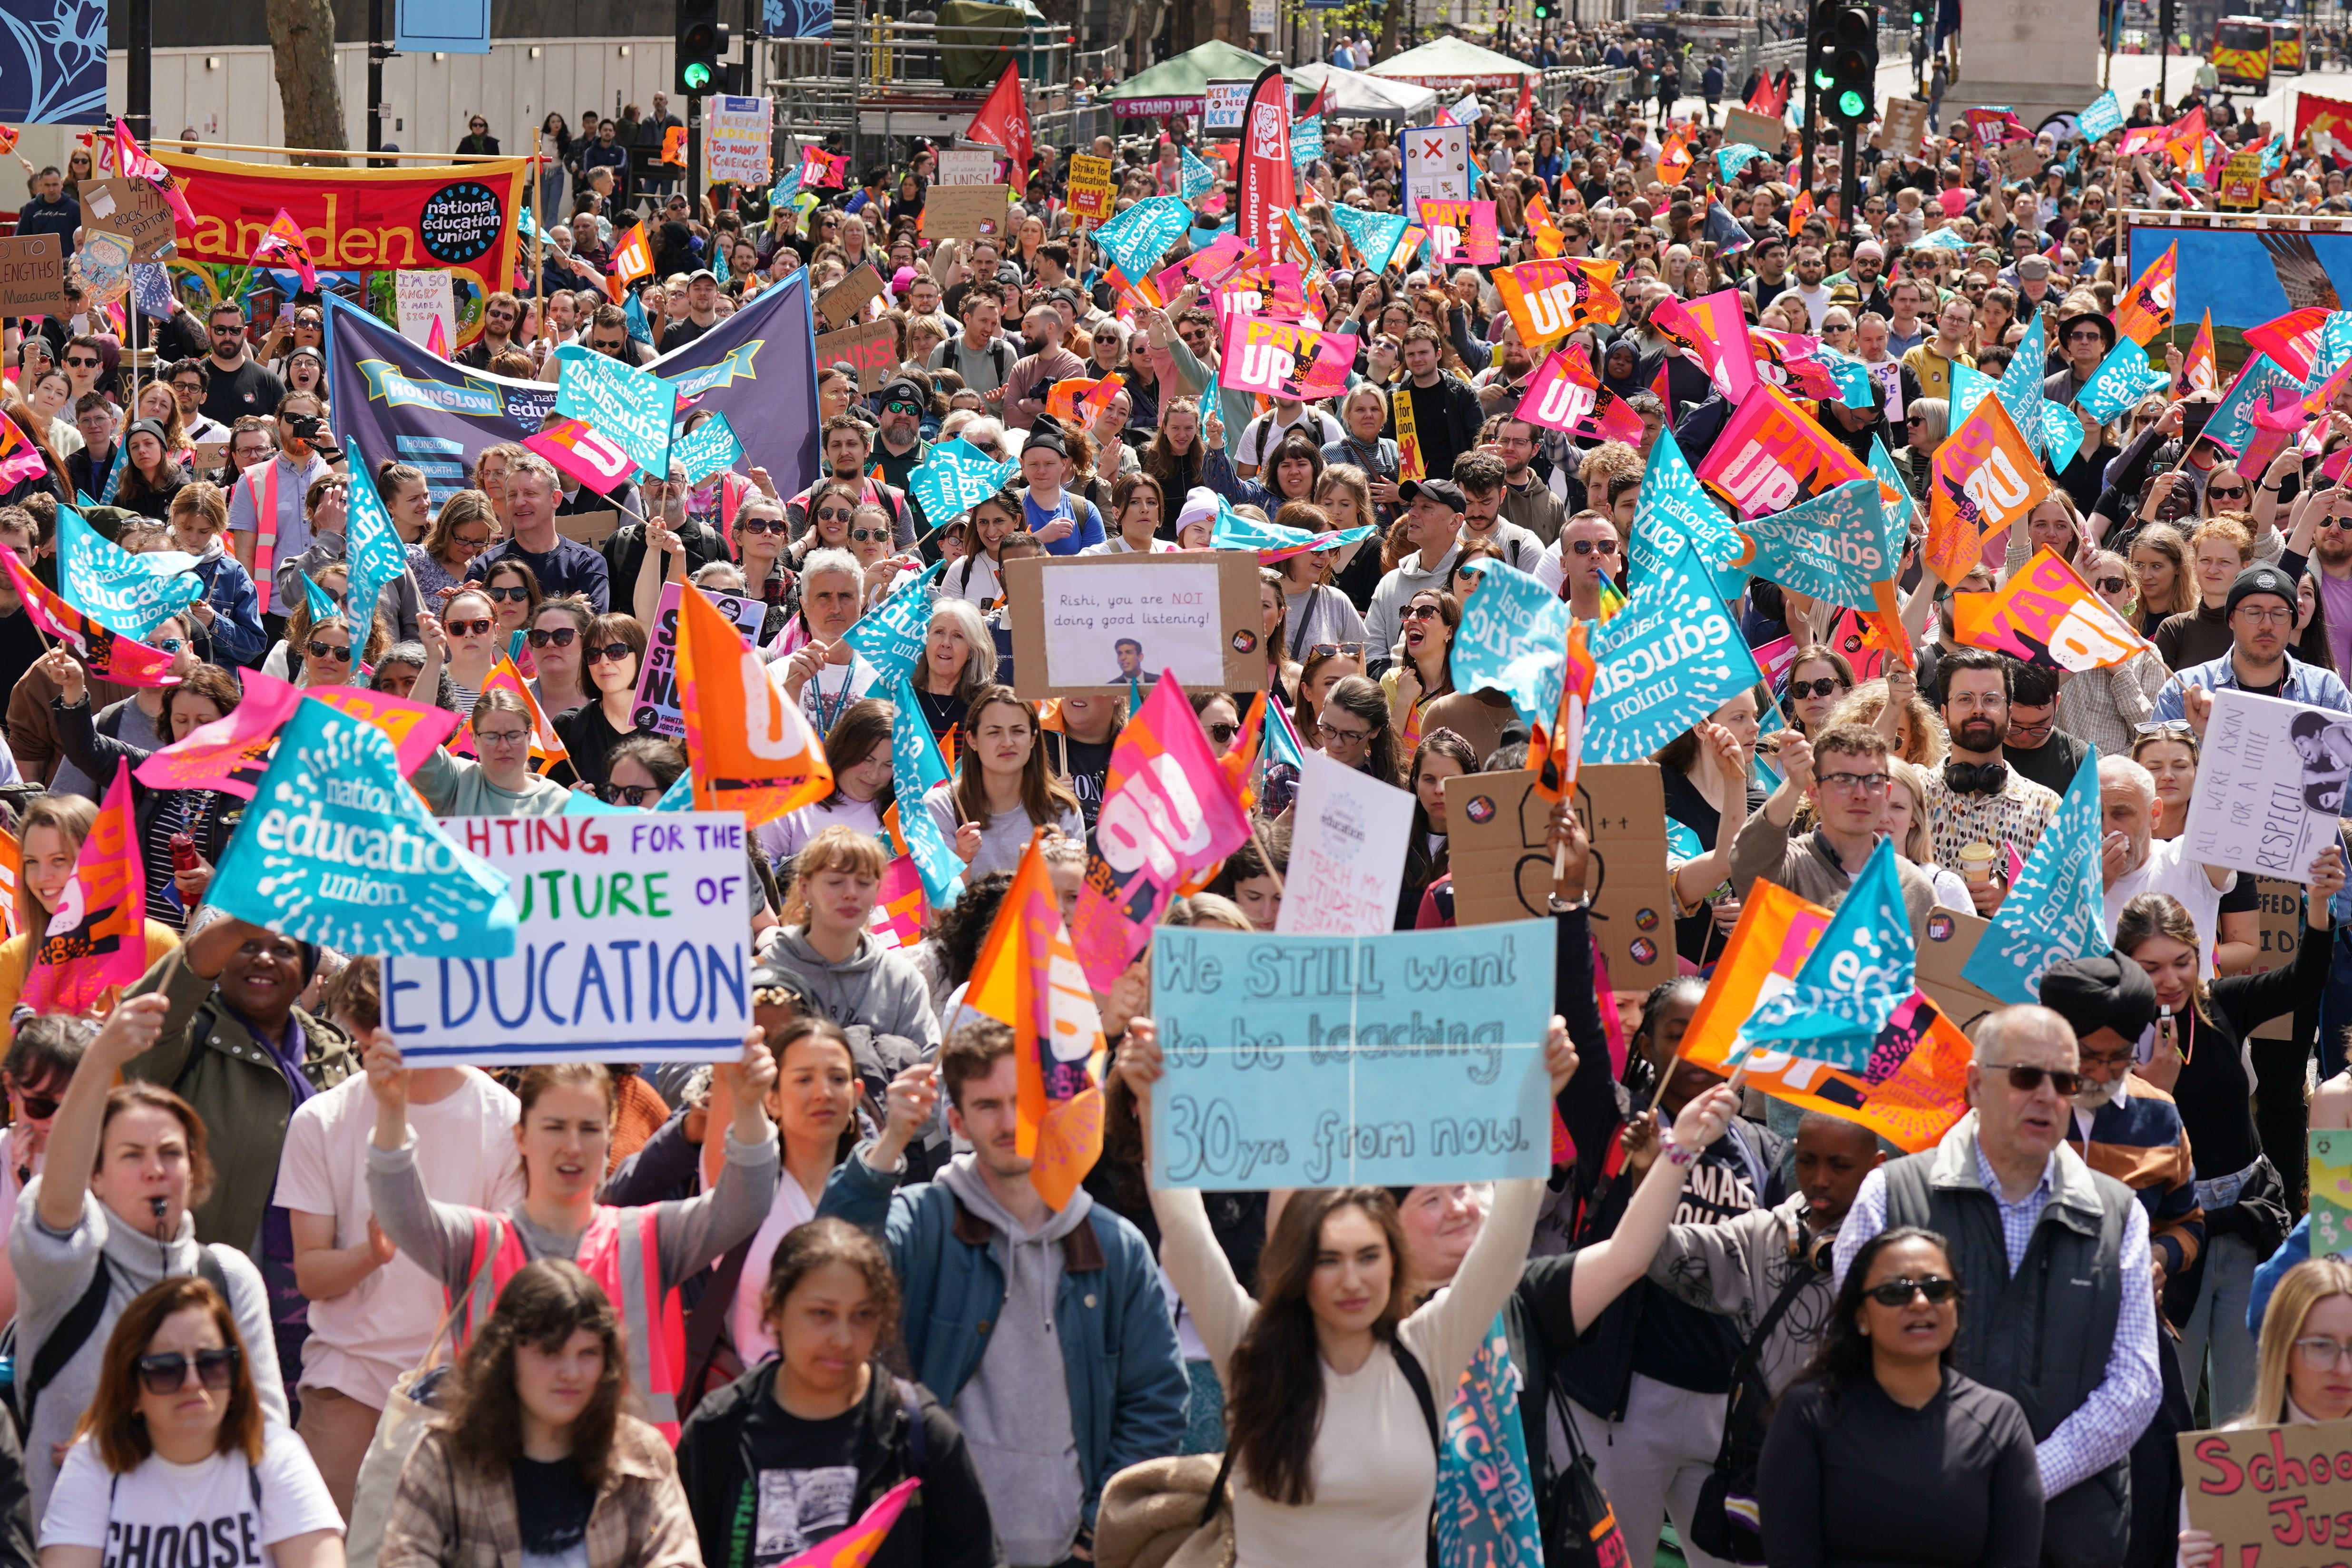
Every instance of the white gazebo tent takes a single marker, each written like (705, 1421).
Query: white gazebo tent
(1456, 66)
(1353, 95)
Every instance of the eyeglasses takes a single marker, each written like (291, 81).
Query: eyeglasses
(470, 541)
(760, 525)
(1222, 735)
(559, 637)
(1855, 784)
(468, 628)
(1594, 546)
(169, 1374)
(1827, 686)
(1897, 1292)
(2026, 1079)
(2225, 492)
(1422, 613)
(502, 737)
(631, 795)
(76, 363)
(2279, 616)
(2110, 584)
(2087, 335)
(509, 596)
(612, 651)
(2322, 1355)
(340, 653)
(1334, 736)
(900, 406)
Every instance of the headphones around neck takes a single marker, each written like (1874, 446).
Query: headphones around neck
(1976, 778)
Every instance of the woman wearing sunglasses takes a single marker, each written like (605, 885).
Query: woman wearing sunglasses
(615, 649)
(1819, 677)
(538, 1460)
(466, 641)
(1420, 672)
(177, 1438)
(557, 639)
(512, 588)
(1881, 1399)
(2200, 1060)
(2303, 1372)
(1926, 422)
(638, 772)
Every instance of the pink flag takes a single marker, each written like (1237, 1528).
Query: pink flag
(1168, 811)
(1712, 330)
(97, 936)
(901, 910)
(579, 451)
(103, 651)
(231, 753)
(1564, 395)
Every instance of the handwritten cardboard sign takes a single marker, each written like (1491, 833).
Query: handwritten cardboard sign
(135, 210)
(1766, 130)
(844, 301)
(1502, 870)
(966, 166)
(2270, 785)
(33, 277)
(871, 348)
(1907, 126)
(589, 528)
(2277, 1496)
(1317, 1061)
(965, 212)
(1194, 613)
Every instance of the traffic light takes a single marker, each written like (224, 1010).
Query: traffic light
(701, 40)
(1918, 13)
(1543, 10)
(1841, 56)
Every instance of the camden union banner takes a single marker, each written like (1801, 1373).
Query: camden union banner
(359, 220)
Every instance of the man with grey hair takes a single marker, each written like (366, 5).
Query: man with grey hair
(562, 565)
(2055, 1257)
(2133, 861)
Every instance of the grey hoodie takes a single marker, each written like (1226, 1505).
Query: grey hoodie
(1015, 1410)
(52, 1273)
(876, 987)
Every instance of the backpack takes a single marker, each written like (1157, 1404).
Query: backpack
(73, 1332)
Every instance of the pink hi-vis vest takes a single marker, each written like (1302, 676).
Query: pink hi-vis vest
(264, 492)
(620, 1252)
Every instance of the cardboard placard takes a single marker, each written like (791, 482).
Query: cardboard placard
(1501, 872)
(210, 456)
(1950, 941)
(1091, 186)
(2023, 159)
(965, 212)
(1766, 130)
(1194, 612)
(33, 277)
(2269, 1494)
(872, 348)
(966, 166)
(589, 528)
(843, 301)
(2278, 912)
(1907, 126)
(135, 210)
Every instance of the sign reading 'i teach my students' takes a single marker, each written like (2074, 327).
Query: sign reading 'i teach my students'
(1311, 1061)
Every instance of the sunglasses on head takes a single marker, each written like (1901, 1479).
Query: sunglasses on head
(630, 794)
(468, 628)
(1343, 649)
(1898, 1293)
(557, 637)
(612, 651)
(169, 1374)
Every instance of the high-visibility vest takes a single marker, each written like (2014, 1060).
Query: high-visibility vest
(620, 1252)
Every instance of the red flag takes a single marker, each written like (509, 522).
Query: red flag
(96, 940)
(1662, 386)
(1267, 180)
(105, 652)
(1313, 109)
(1004, 120)
(1523, 115)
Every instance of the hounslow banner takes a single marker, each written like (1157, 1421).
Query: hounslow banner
(395, 400)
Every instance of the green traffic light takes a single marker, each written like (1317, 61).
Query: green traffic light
(1851, 104)
(697, 76)
(1823, 79)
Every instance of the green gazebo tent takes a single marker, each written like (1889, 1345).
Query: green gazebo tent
(1177, 85)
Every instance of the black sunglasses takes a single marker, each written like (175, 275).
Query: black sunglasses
(327, 651)
(1222, 735)
(509, 596)
(631, 795)
(2026, 1079)
(900, 406)
(1898, 1293)
(863, 534)
(1827, 686)
(560, 637)
(615, 651)
(763, 525)
(39, 1106)
(169, 1374)
(2110, 584)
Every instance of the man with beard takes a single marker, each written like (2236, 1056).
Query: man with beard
(2132, 861)
(2260, 614)
(1976, 797)
(2127, 1128)
(1043, 362)
(1529, 501)
(898, 447)
(1501, 387)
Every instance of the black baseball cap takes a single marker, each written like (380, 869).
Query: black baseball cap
(1442, 491)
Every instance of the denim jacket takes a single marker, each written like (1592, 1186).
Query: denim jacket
(2306, 683)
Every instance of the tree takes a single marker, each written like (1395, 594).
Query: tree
(303, 42)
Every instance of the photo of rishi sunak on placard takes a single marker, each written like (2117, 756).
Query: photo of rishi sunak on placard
(1084, 625)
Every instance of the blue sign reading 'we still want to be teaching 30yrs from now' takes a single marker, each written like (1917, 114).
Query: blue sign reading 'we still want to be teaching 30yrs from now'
(1315, 1061)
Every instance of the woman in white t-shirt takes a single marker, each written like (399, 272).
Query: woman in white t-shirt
(857, 750)
(175, 1448)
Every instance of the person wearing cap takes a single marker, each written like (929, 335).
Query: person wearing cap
(2125, 1127)
(2260, 613)
(904, 403)
(701, 310)
(1063, 522)
(2061, 1315)
(1434, 513)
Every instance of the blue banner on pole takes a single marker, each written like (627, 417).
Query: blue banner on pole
(916, 769)
(52, 63)
(707, 448)
(2057, 910)
(1668, 659)
(131, 594)
(634, 409)
(889, 636)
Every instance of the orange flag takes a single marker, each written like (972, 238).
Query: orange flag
(632, 258)
(2199, 370)
(12, 866)
(1800, 210)
(2048, 615)
(1986, 478)
(1028, 977)
(96, 940)
(1560, 747)
(1549, 241)
(1547, 300)
(750, 749)
(2146, 308)
(1673, 162)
